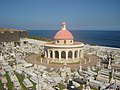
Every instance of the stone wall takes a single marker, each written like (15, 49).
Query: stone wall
(12, 35)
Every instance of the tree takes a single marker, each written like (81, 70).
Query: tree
(110, 76)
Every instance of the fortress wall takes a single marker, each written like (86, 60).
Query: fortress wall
(8, 36)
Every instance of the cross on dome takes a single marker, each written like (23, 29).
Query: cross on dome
(63, 34)
(63, 26)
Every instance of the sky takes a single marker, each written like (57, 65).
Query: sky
(49, 14)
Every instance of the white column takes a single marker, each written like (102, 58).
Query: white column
(48, 54)
(66, 55)
(73, 54)
(45, 53)
(78, 54)
(81, 54)
(53, 54)
(59, 55)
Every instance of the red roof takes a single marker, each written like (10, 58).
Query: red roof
(63, 34)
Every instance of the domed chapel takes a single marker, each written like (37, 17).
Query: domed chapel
(63, 48)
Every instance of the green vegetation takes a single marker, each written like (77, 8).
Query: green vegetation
(80, 87)
(75, 62)
(92, 44)
(11, 63)
(21, 78)
(38, 58)
(39, 38)
(4, 29)
(1, 85)
(34, 85)
(9, 83)
(110, 76)
(94, 89)
(97, 70)
(63, 63)
(61, 86)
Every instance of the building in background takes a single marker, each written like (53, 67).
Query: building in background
(11, 35)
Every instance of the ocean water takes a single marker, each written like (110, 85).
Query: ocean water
(95, 37)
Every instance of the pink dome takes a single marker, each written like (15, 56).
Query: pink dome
(63, 34)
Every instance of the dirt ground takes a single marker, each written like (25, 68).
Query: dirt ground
(34, 60)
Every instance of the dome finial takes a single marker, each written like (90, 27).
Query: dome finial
(63, 26)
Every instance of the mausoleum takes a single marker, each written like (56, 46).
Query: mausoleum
(63, 48)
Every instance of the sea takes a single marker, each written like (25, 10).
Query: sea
(93, 37)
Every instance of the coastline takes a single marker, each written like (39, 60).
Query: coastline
(92, 37)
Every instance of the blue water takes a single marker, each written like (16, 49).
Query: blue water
(97, 37)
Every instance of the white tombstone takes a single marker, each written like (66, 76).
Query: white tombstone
(63, 74)
(89, 59)
(1, 58)
(80, 67)
(85, 61)
(35, 66)
(41, 60)
(88, 88)
(109, 65)
(88, 68)
(48, 61)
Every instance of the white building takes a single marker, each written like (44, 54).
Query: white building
(64, 48)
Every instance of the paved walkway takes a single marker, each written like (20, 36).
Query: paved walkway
(33, 59)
